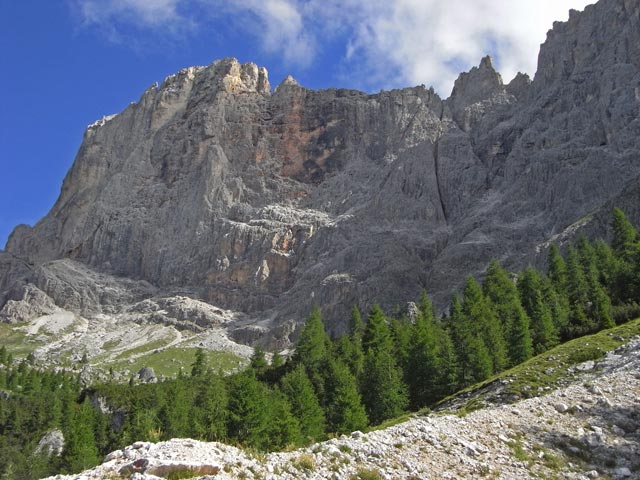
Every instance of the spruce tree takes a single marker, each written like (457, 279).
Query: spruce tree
(175, 414)
(401, 336)
(248, 416)
(356, 332)
(586, 255)
(473, 356)
(212, 400)
(624, 235)
(313, 351)
(557, 270)
(626, 248)
(578, 294)
(383, 390)
(543, 330)
(304, 404)
(479, 313)
(80, 450)
(607, 266)
(423, 368)
(140, 425)
(258, 361)
(448, 362)
(276, 360)
(377, 335)
(345, 410)
(501, 291)
(283, 428)
(198, 367)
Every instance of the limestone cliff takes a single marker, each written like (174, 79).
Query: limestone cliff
(215, 187)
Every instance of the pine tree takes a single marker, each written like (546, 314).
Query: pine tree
(624, 235)
(383, 390)
(557, 270)
(80, 451)
(607, 265)
(626, 248)
(248, 415)
(586, 255)
(479, 313)
(578, 294)
(212, 399)
(313, 351)
(283, 428)
(345, 411)
(356, 332)
(543, 330)
(473, 356)
(276, 360)
(424, 369)
(304, 404)
(198, 367)
(258, 361)
(503, 295)
(175, 413)
(401, 336)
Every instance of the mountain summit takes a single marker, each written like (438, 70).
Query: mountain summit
(252, 205)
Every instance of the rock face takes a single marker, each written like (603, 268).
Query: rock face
(214, 188)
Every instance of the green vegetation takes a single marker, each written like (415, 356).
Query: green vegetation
(369, 377)
(144, 348)
(366, 474)
(305, 462)
(172, 361)
(15, 340)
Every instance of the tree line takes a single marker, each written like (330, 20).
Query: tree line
(385, 366)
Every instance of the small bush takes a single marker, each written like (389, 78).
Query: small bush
(366, 474)
(305, 462)
(626, 312)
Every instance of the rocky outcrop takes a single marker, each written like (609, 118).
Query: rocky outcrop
(51, 444)
(214, 188)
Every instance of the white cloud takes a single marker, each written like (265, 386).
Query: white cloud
(430, 42)
(280, 28)
(389, 43)
(150, 13)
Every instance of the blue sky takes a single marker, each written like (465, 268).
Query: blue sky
(66, 63)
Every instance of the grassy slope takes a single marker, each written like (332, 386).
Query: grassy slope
(170, 361)
(543, 372)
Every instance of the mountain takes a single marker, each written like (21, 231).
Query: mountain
(216, 203)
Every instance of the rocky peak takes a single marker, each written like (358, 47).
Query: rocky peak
(233, 77)
(474, 92)
(288, 81)
(519, 86)
(587, 43)
(477, 84)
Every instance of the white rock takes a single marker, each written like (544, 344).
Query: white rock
(114, 455)
(621, 472)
